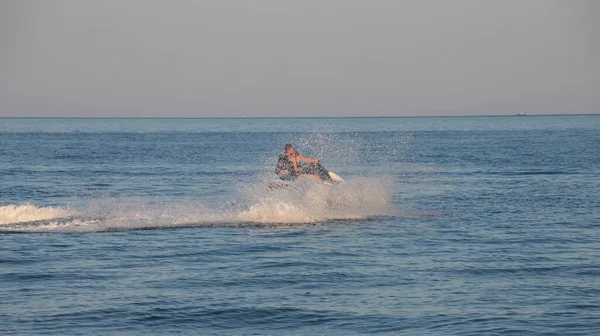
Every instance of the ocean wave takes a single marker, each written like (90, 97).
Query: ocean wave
(253, 204)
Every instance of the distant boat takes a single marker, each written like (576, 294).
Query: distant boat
(521, 114)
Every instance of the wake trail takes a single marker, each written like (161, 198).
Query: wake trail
(253, 204)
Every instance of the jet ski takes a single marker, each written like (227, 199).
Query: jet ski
(328, 177)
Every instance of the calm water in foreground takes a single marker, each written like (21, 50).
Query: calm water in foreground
(444, 226)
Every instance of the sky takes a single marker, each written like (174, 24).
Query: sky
(284, 58)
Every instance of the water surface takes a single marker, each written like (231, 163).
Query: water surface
(445, 226)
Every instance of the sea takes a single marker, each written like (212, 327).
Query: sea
(483, 225)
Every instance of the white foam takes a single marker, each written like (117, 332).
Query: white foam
(275, 212)
(29, 212)
(311, 202)
(304, 202)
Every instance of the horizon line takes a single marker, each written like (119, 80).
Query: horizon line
(310, 117)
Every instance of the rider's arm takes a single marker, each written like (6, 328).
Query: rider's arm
(305, 159)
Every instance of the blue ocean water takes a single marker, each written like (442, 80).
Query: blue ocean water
(444, 226)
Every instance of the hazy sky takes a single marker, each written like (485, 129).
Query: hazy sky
(298, 57)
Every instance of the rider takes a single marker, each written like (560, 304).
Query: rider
(288, 168)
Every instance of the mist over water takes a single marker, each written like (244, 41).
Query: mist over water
(256, 204)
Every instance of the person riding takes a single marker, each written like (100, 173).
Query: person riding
(289, 169)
